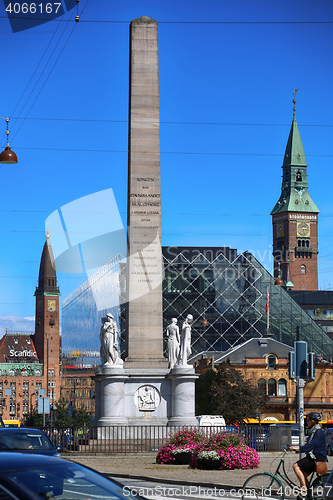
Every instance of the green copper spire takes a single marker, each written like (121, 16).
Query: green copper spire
(295, 196)
(294, 154)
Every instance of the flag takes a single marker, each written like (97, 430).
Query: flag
(267, 301)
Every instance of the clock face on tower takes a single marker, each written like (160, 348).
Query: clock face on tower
(51, 305)
(303, 228)
(280, 229)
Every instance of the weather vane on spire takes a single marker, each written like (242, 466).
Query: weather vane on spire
(294, 100)
(47, 233)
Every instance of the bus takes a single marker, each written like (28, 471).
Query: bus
(12, 423)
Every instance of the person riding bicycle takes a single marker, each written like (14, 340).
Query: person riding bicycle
(315, 449)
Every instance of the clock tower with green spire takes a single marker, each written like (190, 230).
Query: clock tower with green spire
(295, 220)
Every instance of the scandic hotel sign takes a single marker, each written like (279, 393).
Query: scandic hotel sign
(21, 354)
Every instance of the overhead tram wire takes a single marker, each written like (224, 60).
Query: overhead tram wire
(34, 75)
(96, 120)
(207, 153)
(105, 21)
(57, 44)
(48, 76)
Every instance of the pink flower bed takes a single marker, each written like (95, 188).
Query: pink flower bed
(182, 439)
(230, 448)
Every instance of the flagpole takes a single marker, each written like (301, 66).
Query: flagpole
(268, 320)
(267, 309)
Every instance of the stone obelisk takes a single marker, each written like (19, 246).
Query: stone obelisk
(144, 390)
(144, 323)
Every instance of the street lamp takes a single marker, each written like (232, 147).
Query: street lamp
(279, 281)
(7, 156)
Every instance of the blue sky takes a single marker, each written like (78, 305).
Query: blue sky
(227, 73)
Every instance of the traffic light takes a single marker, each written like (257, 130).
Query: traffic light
(311, 363)
(301, 357)
(291, 367)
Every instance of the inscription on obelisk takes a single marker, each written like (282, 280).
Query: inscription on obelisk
(144, 325)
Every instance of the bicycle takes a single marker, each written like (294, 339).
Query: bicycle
(270, 485)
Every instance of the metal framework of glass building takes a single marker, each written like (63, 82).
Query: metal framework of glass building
(226, 293)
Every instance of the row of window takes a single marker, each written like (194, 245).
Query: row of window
(271, 388)
(22, 373)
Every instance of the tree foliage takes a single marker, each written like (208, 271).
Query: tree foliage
(226, 392)
(33, 419)
(64, 415)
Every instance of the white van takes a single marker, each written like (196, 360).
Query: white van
(211, 421)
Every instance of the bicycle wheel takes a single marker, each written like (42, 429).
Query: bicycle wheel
(263, 487)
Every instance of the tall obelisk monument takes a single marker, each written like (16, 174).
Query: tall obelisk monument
(144, 390)
(144, 323)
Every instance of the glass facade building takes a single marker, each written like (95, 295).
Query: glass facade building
(83, 309)
(226, 293)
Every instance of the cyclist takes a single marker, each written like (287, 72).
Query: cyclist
(315, 449)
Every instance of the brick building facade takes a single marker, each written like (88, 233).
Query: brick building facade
(264, 362)
(30, 361)
(295, 221)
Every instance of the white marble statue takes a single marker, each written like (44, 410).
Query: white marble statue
(173, 342)
(185, 341)
(109, 342)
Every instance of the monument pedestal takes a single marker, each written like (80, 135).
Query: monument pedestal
(183, 395)
(110, 391)
(126, 397)
(132, 397)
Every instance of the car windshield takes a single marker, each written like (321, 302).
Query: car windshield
(64, 481)
(29, 440)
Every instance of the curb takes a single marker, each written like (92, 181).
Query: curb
(175, 481)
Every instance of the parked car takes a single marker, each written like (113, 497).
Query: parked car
(27, 441)
(329, 440)
(28, 477)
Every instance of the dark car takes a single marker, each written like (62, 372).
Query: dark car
(28, 477)
(329, 440)
(27, 441)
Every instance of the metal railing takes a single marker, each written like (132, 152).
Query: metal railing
(145, 439)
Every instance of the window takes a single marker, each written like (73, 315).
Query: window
(25, 386)
(282, 387)
(303, 269)
(299, 176)
(272, 387)
(13, 385)
(262, 385)
(271, 362)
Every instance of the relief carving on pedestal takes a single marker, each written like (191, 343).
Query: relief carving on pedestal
(147, 398)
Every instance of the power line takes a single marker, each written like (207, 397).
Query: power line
(98, 120)
(26, 88)
(207, 153)
(193, 214)
(105, 21)
(48, 76)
